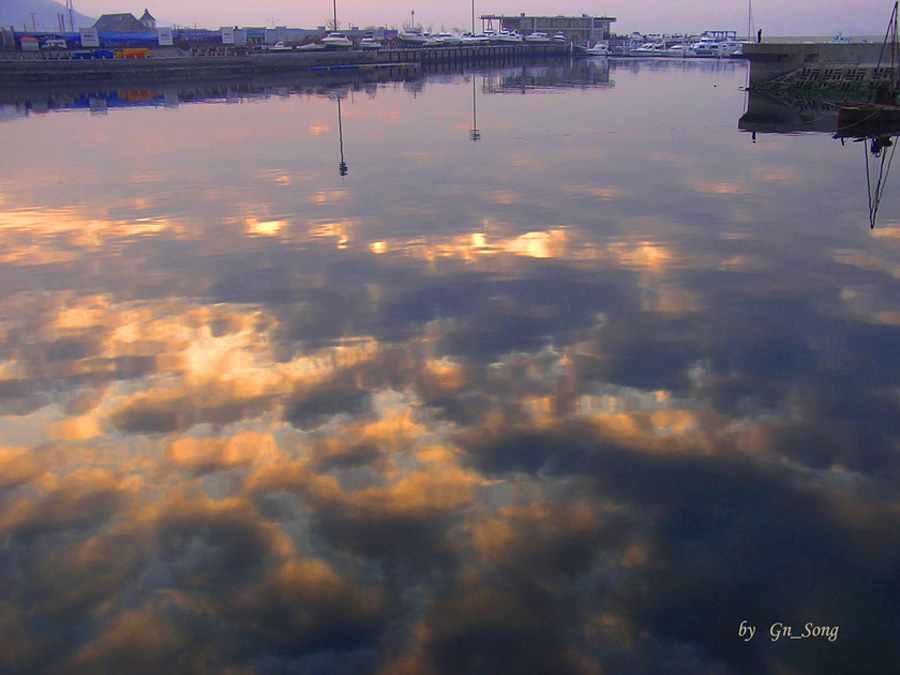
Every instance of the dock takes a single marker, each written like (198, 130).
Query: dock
(174, 65)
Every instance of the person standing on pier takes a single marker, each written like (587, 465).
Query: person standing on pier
(759, 35)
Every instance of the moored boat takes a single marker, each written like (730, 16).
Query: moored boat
(599, 49)
(369, 43)
(509, 37)
(413, 36)
(882, 110)
(537, 36)
(336, 41)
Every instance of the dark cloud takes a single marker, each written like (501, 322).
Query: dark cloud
(79, 502)
(313, 407)
(733, 539)
(304, 607)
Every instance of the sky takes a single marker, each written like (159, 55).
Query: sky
(775, 17)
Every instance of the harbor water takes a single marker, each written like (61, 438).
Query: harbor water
(549, 368)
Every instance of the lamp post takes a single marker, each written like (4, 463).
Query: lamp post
(473, 17)
(334, 7)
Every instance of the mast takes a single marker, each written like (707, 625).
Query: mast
(895, 54)
(749, 20)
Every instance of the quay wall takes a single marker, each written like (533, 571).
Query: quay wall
(810, 64)
(165, 66)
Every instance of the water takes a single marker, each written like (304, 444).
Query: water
(597, 392)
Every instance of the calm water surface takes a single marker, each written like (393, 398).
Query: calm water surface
(597, 392)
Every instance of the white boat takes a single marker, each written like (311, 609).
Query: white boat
(679, 51)
(336, 41)
(559, 37)
(445, 39)
(369, 43)
(509, 37)
(413, 36)
(599, 49)
(717, 45)
(537, 36)
(646, 49)
(278, 47)
(469, 39)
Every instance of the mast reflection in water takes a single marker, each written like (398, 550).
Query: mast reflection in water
(594, 394)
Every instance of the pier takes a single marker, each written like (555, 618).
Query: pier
(174, 65)
(827, 67)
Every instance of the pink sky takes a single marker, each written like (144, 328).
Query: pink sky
(776, 17)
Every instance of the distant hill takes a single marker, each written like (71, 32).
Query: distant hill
(17, 13)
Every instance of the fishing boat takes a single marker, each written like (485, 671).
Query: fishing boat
(882, 109)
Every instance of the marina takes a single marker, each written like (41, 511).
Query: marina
(409, 349)
(421, 371)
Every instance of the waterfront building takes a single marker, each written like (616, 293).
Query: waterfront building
(580, 30)
(148, 20)
(111, 23)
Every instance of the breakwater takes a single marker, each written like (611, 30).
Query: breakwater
(177, 66)
(825, 67)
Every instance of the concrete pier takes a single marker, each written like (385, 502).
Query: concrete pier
(171, 65)
(815, 65)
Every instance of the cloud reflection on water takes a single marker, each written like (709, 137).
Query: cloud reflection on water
(339, 429)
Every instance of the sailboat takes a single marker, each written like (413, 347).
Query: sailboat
(881, 110)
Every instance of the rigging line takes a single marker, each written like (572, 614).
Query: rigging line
(892, 28)
(883, 176)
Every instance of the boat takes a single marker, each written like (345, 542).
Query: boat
(369, 43)
(445, 39)
(537, 36)
(646, 49)
(882, 109)
(559, 37)
(278, 47)
(599, 49)
(336, 41)
(509, 37)
(679, 51)
(717, 44)
(469, 39)
(413, 36)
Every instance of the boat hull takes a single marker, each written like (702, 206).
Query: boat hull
(866, 119)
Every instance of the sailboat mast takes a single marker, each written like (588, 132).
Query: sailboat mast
(750, 20)
(895, 55)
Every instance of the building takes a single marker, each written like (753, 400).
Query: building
(111, 23)
(148, 20)
(581, 30)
